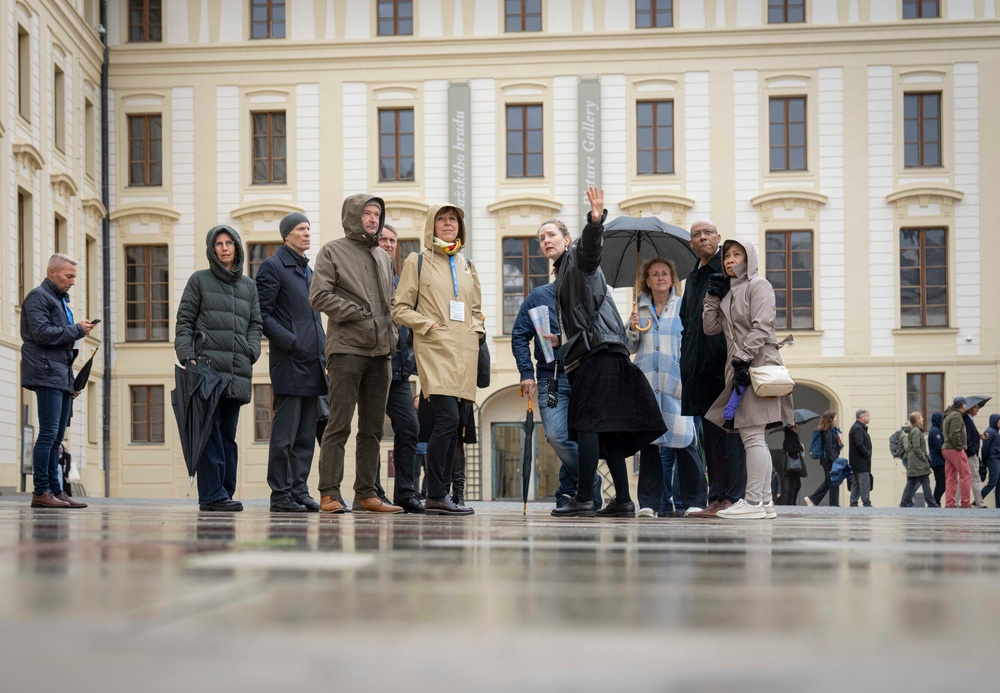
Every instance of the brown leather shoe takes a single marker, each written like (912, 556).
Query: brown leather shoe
(47, 500)
(713, 508)
(377, 505)
(331, 504)
(722, 506)
(72, 503)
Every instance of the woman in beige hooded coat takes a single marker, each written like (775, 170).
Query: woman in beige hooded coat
(440, 299)
(745, 312)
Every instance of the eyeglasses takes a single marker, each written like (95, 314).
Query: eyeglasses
(225, 244)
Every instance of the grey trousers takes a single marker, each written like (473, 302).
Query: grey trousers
(293, 439)
(758, 465)
(861, 487)
(362, 383)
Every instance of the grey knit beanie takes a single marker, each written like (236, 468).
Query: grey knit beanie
(289, 222)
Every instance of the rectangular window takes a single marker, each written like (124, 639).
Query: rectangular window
(925, 393)
(147, 294)
(258, 252)
(396, 144)
(267, 19)
(60, 241)
(524, 141)
(922, 129)
(59, 110)
(89, 147)
(23, 73)
(269, 158)
(654, 136)
(786, 11)
(923, 277)
(147, 413)
(263, 413)
(91, 263)
(395, 17)
(93, 412)
(789, 268)
(522, 15)
(145, 21)
(524, 269)
(653, 14)
(145, 150)
(24, 244)
(787, 129)
(403, 250)
(921, 9)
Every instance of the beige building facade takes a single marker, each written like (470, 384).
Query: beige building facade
(856, 145)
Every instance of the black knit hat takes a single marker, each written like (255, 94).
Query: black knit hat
(289, 222)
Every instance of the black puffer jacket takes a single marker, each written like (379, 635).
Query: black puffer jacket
(47, 351)
(588, 318)
(222, 304)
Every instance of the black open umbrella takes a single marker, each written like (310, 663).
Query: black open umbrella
(976, 401)
(198, 390)
(803, 415)
(630, 240)
(80, 381)
(528, 454)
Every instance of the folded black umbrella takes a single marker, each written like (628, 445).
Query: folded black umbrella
(528, 454)
(199, 388)
(80, 381)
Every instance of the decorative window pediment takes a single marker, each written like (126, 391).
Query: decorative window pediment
(524, 210)
(263, 210)
(27, 156)
(93, 210)
(660, 203)
(788, 199)
(399, 207)
(924, 195)
(63, 185)
(144, 213)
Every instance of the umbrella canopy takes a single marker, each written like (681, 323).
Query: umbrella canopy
(628, 239)
(528, 454)
(198, 390)
(80, 381)
(976, 401)
(803, 415)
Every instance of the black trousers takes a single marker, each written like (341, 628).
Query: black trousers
(794, 486)
(938, 483)
(819, 494)
(650, 489)
(293, 440)
(402, 415)
(727, 463)
(447, 411)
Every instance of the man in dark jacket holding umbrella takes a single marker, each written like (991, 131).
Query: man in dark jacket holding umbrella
(295, 355)
(703, 373)
(48, 336)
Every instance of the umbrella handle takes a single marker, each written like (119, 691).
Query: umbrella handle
(649, 324)
(529, 398)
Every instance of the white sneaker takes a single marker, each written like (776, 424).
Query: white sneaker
(769, 512)
(809, 501)
(692, 509)
(646, 512)
(741, 510)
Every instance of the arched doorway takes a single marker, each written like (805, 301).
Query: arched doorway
(817, 398)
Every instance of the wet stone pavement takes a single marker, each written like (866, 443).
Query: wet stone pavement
(155, 596)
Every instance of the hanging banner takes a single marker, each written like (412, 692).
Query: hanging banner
(459, 169)
(589, 105)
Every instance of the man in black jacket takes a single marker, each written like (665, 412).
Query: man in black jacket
(296, 360)
(859, 454)
(48, 350)
(399, 405)
(703, 375)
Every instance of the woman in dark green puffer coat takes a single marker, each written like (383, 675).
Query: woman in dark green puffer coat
(221, 303)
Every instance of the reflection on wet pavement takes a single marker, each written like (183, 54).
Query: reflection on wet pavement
(496, 599)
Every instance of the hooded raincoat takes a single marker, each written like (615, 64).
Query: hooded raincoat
(223, 305)
(917, 461)
(447, 357)
(745, 315)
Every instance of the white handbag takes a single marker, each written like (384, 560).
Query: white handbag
(771, 381)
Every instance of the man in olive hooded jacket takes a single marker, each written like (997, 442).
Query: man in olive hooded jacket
(957, 476)
(352, 285)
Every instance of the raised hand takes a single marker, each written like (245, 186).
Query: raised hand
(595, 197)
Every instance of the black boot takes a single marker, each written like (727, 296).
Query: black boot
(617, 509)
(575, 509)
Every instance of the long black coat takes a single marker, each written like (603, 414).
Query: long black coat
(703, 357)
(223, 305)
(859, 448)
(294, 330)
(47, 352)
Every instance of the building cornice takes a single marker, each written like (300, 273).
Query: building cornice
(525, 205)
(27, 155)
(924, 195)
(64, 183)
(656, 202)
(264, 210)
(144, 212)
(93, 208)
(788, 199)
(398, 206)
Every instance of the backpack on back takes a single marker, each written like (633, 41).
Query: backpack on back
(816, 445)
(898, 444)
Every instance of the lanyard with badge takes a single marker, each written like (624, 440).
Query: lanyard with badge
(457, 308)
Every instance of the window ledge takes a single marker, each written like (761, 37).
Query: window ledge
(144, 345)
(925, 330)
(798, 333)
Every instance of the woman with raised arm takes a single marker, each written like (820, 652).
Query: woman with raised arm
(612, 409)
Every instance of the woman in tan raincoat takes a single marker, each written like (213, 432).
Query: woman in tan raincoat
(440, 299)
(741, 305)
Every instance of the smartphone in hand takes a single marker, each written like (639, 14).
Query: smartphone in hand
(94, 321)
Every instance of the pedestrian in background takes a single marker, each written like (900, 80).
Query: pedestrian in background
(296, 365)
(918, 464)
(48, 349)
(859, 454)
(353, 287)
(991, 457)
(793, 449)
(972, 454)
(832, 445)
(221, 304)
(440, 299)
(958, 476)
(935, 439)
